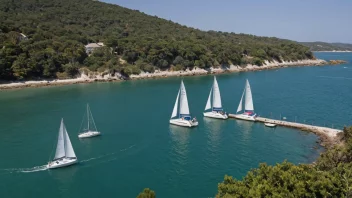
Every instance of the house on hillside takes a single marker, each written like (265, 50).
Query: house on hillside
(22, 37)
(90, 47)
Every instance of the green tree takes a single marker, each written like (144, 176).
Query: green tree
(146, 193)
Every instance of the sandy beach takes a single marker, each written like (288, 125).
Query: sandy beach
(88, 78)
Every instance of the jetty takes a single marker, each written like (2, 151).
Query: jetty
(325, 131)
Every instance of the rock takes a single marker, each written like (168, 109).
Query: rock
(337, 62)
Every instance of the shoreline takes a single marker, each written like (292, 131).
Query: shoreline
(96, 77)
(347, 51)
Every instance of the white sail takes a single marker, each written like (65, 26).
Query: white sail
(174, 112)
(208, 106)
(68, 146)
(239, 108)
(249, 100)
(216, 95)
(60, 148)
(184, 109)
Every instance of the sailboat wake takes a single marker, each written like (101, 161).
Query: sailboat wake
(107, 155)
(335, 77)
(45, 167)
(25, 170)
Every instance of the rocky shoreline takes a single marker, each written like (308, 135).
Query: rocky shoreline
(105, 77)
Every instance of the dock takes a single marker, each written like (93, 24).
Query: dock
(328, 132)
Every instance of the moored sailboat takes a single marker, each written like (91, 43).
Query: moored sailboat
(180, 115)
(269, 124)
(214, 103)
(248, 111)
(91, 129)
(64, 155)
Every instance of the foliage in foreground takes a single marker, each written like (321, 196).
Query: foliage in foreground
(58, 30)
(146, 193)
(331, 176)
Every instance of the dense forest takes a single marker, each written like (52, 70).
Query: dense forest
(329, 176)
(46, 39)
(322, 46)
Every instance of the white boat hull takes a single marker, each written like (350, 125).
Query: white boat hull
(213, 114)
(182, 122)
(89, 134)
(245, 117)
(61, 163)
(270, 124)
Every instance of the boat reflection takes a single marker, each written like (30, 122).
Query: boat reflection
(214, 128)
(179, 147)
(245, 128)
(65, 177)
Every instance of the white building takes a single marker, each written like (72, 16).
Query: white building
(90, 47)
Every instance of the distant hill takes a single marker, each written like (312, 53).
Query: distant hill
(322, 46)
(54, 34)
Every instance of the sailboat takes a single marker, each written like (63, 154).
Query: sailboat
(214, 103)
(180, 115)
(91, 129)
(248, 113)
(64, 155)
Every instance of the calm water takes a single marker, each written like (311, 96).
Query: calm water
(140, 149)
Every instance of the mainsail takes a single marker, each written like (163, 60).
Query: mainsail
(184, 109)
(249, 100)
(174, 112)
(248, 104)
(216, 96)
(60, 148)
(68, 146)
(64, 146)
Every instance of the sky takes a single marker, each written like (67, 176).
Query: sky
(299, 20)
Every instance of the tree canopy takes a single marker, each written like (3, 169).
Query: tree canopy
(330, 176)
(146, 193)
(57, 31)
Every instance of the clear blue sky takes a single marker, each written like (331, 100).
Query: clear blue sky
(300, 20)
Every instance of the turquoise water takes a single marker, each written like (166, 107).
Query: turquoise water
(140, 149)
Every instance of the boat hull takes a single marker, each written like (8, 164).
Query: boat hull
(215, 115)
(270, 125)
(184, 123)
(245, 117)
(62, 163)
(89, 134)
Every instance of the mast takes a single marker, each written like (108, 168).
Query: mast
(88, 116)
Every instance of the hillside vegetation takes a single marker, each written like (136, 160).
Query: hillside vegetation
(321, 46)
(58, 30)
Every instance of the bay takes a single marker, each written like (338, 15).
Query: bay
(140, 149)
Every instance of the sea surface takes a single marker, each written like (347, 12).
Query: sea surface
(138, 148)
